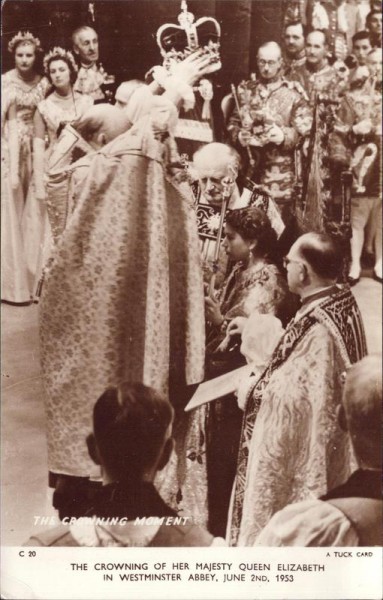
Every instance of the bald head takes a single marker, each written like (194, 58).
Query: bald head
(101, 124)
(125, 91)
(322, 254)
(216, 158)
(271, 48)
(314, 261)
(362, 409)
(269, 60)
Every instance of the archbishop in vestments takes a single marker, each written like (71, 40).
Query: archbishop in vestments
(123, 298)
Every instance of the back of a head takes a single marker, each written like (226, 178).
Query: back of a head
(323, 254)
(131, 423)
(102, 119)
(362, 402)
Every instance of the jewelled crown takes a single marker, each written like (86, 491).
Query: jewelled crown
(24, 37)
(177, 41)
(58, 53)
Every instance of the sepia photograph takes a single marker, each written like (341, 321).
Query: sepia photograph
(191, 299)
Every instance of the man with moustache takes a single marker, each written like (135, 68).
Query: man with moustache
(91, 76)
(317, 76)
(273, 118)
(294, 43)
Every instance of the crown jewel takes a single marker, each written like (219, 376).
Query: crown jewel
(58, 53)
(177, 41)
(24, 37)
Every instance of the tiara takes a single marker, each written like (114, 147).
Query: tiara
(58, 53)
(24, 37)
(177, 41)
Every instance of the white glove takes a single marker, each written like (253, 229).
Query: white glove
(363, 127)
(192, 68)
(275, 135)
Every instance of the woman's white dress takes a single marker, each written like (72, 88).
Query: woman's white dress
(16, 279)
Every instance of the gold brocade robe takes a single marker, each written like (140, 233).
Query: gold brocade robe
(123, 298)
(292, 447)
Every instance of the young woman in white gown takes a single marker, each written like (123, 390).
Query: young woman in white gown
(63, 105)
(22, 89)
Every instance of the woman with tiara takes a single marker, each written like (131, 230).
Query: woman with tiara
(63, 105)
(22, 89)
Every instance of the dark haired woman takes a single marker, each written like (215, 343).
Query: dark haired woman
(62, 105)
(254, 284)
(22, 89)
(210, 444)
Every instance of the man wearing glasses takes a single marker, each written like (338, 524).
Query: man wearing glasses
(272, 117)
(292, 447)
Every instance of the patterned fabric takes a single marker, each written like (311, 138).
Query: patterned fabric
(64, 186)
(360, 152)
(285, 104)
(291, 64)
(89, 81)
(293, 405)
(55, 111)
(14, 279)
(259, 288)
(128, 259)
(184, 483)
(326, 82)
(18, 261)
(26, 99)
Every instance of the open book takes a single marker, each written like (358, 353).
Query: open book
(218, 387)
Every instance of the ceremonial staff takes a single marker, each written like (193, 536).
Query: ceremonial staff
(234, 92)
(228, 185)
